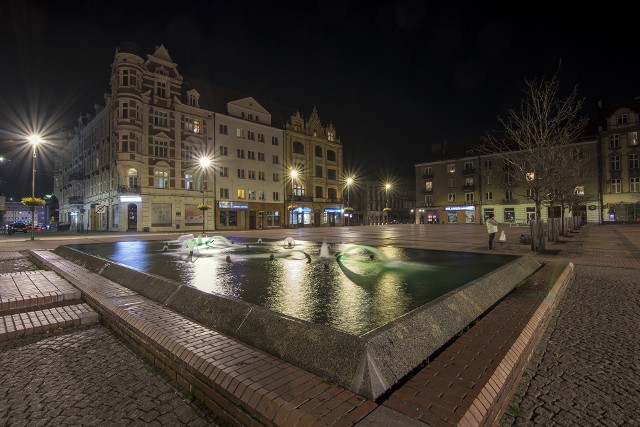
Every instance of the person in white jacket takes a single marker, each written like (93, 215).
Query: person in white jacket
(492, 229)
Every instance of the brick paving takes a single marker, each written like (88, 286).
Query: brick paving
(583, 373)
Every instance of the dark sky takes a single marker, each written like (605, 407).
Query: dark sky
(393, 77)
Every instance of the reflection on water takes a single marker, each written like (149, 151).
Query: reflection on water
(353, 289)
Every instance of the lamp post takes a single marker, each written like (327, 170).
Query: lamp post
(294, 174)
(34, 140)
(349, 182)
(204, 166)
(387, 186)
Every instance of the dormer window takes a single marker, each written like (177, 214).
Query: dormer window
(192, 100)
(623, 119)
(330, 136)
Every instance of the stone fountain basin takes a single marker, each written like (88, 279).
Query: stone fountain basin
(369, 364)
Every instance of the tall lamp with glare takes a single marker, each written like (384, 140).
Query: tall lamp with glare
(204, 165)
(34, 140)
(349, 182)
(294, 174)
(386, 198)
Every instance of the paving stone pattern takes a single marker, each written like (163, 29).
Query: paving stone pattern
(87, 377)
(586, 372)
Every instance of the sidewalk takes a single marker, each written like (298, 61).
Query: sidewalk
(606, 253)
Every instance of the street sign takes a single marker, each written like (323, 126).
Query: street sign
(101, 209)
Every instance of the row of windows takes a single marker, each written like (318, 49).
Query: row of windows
(249, 134)
(298, 148)
(634, 185)
(634, 161)
(632, 140)
(229, 218)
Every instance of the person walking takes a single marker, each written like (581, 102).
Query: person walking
(492, 229)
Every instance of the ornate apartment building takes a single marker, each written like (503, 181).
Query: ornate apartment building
(315, 182)
(465, 188)
(136, 163)
(618, 129)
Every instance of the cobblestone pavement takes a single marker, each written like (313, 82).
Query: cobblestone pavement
(85, 376)
(586, 370)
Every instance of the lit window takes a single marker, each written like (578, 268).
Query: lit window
(451, 167)
(162, 179)
(240, 193)
(132, 176)
(579, 191)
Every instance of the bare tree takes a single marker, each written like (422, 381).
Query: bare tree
(533, 144)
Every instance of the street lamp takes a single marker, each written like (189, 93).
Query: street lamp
(349, 182)
(387, 186)
(205, 162)
(294, 174)
(34, 140)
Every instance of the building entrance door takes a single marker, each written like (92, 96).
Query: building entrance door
(252, 220)
(132, 217)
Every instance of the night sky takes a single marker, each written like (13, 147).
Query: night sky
(393, 77)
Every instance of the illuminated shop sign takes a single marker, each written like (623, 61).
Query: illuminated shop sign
(130, 198)
(333, 210)
(231, 205)
(460, 208)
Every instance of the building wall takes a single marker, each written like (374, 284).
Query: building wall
(620, 180)
(464, 189)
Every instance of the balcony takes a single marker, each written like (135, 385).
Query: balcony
(76, 176)
(125, 189)
(425, 191)
(427, 176)
(301, 199)
(76, 200)
(468, 187)
(468, 171)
